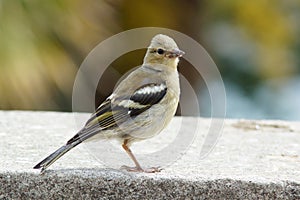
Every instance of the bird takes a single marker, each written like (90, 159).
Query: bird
(140, 107)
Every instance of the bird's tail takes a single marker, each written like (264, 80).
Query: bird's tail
(44, 164)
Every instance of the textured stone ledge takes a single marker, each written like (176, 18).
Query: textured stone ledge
(252, 160)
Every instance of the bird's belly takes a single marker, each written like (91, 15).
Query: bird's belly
(149, 123)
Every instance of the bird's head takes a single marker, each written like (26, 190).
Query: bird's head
(163, 50)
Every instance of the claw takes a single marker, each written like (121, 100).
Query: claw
(153, 169)
(136, 169)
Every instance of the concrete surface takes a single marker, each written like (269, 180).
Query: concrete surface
(251, 160)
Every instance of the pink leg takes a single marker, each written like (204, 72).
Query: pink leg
(137, 167)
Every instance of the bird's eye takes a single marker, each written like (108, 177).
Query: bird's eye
(160, 51)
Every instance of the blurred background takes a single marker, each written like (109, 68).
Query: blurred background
(255, 45)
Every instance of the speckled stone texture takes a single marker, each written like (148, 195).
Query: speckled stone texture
(251, 160)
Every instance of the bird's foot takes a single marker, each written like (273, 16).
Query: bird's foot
(153, 169)
(138, 169)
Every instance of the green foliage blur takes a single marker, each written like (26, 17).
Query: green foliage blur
(43, 43)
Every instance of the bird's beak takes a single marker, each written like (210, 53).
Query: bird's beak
(175, 53)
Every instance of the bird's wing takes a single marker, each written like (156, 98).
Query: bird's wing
(115, 110)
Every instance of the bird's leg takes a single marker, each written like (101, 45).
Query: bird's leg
(137, 167)
(129, 152)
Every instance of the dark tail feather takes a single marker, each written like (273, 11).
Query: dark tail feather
(44, 164)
